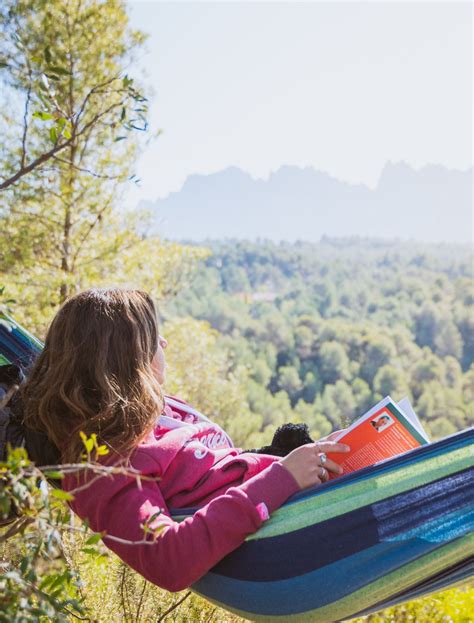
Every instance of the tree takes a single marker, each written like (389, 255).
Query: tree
(426, 325)
(379, 351)
(391, 380)
(61, 228)
(304, 339)
(333, 362)
(200, 371)
(289, 380)
(448, 341)
(47, 50)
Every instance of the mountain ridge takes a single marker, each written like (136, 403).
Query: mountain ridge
(432, 204)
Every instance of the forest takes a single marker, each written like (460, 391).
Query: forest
(320, 332)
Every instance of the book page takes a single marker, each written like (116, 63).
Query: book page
(405, 406)
(380, 434)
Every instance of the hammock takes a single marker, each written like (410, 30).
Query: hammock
(366, 541)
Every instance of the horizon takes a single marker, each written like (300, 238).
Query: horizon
(431, 204)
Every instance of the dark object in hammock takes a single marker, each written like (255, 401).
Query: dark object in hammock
(286, 438)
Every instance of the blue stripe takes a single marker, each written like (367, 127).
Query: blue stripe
(425, 512)
(437, 512)
(316, 589)
(305, 550)
(17, 347)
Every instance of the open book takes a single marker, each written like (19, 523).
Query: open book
(385, 431)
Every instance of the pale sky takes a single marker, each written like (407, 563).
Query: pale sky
(343, 87)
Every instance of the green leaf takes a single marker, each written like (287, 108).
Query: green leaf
(36, 59)
(3, 64)
(120, 138)
(47, 54)
(61, 71)
(53, 135)
(54, 474)
(95, 538)
(44, 116)
(62, 495)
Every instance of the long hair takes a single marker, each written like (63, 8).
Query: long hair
(94, 374)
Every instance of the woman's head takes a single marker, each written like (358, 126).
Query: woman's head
(98, 372)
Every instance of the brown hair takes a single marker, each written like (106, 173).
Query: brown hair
(94, 374)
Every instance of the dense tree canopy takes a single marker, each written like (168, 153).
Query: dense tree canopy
(326, 330)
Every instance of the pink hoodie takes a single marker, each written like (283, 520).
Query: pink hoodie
(195, 465)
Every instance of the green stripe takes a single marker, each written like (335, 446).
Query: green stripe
(355, 495)
(381, 590)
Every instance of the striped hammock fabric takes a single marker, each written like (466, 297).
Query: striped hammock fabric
(380, 536)
(17, 345)
(369, 540)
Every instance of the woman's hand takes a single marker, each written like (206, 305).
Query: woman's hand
(308, 464)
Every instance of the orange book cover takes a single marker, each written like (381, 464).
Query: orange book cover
(382, 433)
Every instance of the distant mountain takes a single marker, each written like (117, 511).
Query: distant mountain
(431, 204)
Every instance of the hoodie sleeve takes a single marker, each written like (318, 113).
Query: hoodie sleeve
(181, 552)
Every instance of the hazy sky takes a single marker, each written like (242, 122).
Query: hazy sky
(343, 87)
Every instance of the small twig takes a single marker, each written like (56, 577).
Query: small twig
(211, 615)
(123, 599)
(25, 120)
(140, 602)
(173, 607)
(85, 170)
(18, 526)
(76, 616)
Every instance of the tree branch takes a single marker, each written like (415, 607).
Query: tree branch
(173, 607)
(25, 122)
(35, 164)
(58, 147)
(85, 170)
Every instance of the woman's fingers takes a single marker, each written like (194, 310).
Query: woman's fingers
(331, 446)
(331, 466)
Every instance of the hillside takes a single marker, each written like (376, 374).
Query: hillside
(323, 331)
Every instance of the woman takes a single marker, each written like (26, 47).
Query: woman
(101, 372)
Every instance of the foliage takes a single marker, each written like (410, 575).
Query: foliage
(327, 330)
(200, 372)
(237, 379)
(35, 581)
(62, 229)
(452, 606)
(73, 96)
